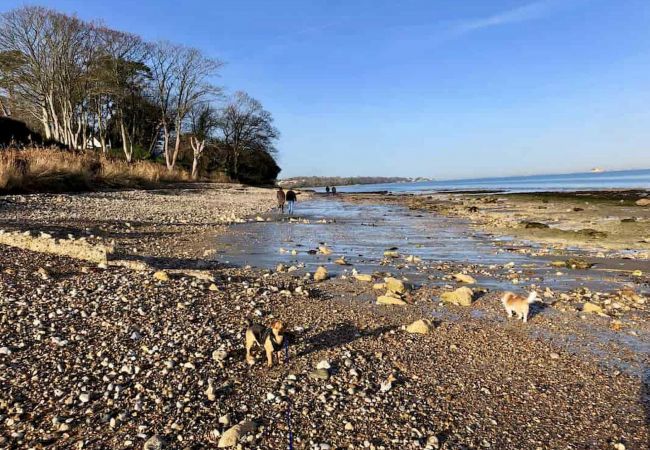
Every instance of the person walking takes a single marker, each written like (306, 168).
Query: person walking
(281, 198)
(333, 190)
(291, 200)
(327, 189)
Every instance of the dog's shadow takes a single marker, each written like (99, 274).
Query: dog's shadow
(536, 308)
(342, 334)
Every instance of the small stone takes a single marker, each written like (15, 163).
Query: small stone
(324, 364)
(554, 356)
(592, 308)
(161, 275)
(84, 397)
(319, 374)
(323, 249)
(421, 326)
(155, 442)
(363, 277)
(388, 300)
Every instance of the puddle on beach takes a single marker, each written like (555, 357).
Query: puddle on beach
(362, 232)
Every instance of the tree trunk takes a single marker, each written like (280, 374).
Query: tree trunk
(177, 144)
(198, 147)
(166, 147)
(126, 143)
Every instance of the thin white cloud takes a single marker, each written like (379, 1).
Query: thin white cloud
(531, 11)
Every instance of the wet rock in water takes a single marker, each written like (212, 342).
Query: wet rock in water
(341, 261)
(391, 254)
(363, 277)
(155, 442)
(388, 300)
(280, 268)
(379, 286)
(642, 202)
(321, 274)
(323, 249)
(413, 259)
(591, 308)
(464, 278)
(535, 225)
(462, 296)
(422, 326)
(161, 275)
(395, 285)
(578, 263)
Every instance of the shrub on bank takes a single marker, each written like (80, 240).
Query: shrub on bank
(55, 170)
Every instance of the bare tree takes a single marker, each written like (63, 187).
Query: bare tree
(121, 74)
(45, 57)
(203, 121)
(245, 125)
(162, 61)
(191, 87)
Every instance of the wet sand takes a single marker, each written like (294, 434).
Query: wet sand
(115, 358)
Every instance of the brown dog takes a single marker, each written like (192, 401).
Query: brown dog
(272, 339)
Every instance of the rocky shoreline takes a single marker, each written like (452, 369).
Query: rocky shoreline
(109, 357)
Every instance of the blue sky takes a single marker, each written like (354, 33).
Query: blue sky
(445, 89)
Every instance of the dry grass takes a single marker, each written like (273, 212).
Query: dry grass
(33, 170)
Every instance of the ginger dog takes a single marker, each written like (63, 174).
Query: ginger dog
(272, 339)
(518, 304)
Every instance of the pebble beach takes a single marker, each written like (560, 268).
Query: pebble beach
(151, 356)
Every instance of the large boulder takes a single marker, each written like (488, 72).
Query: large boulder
(464, 278)
(395, 285)
(643, 202)
(321, 274)
(462, 296)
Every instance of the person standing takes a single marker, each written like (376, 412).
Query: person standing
(291, 200)
(333, 190)
(281, 198)
(327, 189)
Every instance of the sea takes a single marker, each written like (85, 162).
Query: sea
(622, 179)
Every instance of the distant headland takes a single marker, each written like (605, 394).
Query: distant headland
(345, 181)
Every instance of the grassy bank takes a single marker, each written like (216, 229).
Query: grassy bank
(53, 170)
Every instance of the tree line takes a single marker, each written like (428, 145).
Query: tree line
(84, 85)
